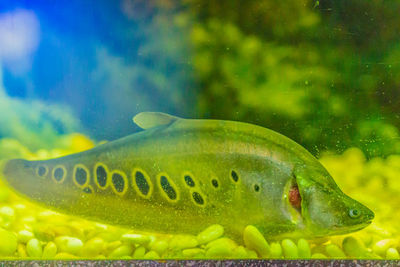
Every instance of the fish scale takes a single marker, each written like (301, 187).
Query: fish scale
(241, 174)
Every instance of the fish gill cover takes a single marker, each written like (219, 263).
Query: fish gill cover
(324, 73)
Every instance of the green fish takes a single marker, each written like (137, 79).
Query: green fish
(182, 175)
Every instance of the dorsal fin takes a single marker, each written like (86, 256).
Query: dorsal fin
(146, 120)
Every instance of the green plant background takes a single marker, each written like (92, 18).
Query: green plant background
(325, 73)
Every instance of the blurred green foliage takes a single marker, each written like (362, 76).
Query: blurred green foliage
(324, 73)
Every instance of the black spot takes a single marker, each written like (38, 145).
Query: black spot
(59, 174)
(41, 170)
(87, 190)
(189, 181)
(198, 198)
(118, 181)
(214, 182)
(141, 183)
(256, 187)
(235, 176)
(80, 176)
(101, 176)
(168, 189)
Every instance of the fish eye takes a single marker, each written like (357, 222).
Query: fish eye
(354, 213)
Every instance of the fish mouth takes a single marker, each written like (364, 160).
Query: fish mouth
(339, 230)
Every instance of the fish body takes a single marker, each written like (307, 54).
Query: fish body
(181, 175)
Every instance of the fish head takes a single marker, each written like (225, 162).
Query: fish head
(325, 209)
(35, 181)
(25, 177)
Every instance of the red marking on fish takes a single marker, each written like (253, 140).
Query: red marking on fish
(294, 197)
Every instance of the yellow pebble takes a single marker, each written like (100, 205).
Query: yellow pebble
(8, 244)
(334, 251)
(366, 239)
(61, 230)
(139, 252)
(240, 252)
(24, 236)
(192, 252)
(275, 250)
(47, 216)
(135, 239)
(381, 246)
(7, 215)
(34, 248)
(108, 236)
(76, 229)
(318, 256)
(93, 247)
(392, 254)
(303, 249)
(219, 252)
(19, 208)
(68, 244)
(22, 251)
(44, 232)
(49, 251)
(253, 239)
(113, 245)
(180, 242)
(7, 212)
(28, 219)
(211, 233)
(251, 254)
(159, 246)
(354, 247)
(151, 255)
(148, 245)
(223, 241)
(124, 250)
(290, 250)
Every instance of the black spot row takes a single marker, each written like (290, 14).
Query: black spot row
(41, 171)
(81, 175)
(59, 174)
(234, 176)
(189, 181)
(118, 182)
(168, 189)
(198, 198)
(101, 176)
(214, 183)
(142, 183)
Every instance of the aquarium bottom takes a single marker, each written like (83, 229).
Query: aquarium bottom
(208, 263)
